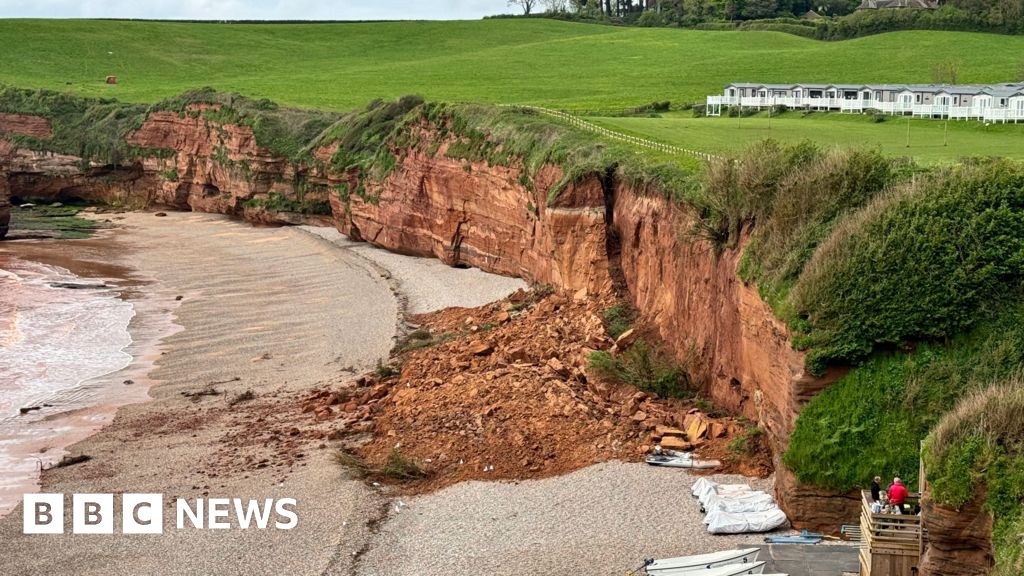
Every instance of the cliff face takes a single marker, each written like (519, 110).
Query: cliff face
(185, 163)
(735, 348)
(477, 215)
(599, 230)
(959, 541)
(5, 204)
(14, 125)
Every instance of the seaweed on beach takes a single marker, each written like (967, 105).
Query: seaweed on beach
(61, 222)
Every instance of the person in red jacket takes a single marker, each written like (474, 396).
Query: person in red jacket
(898, 493)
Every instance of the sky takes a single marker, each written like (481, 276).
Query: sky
(256, 9)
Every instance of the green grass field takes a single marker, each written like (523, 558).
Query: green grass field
(560, 64)
(930, 141)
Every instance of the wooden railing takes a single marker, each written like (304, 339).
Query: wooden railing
(890, 543)
(578, 122)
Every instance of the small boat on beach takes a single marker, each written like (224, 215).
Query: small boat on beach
(726, 570)
(681, 462)
(703, 561)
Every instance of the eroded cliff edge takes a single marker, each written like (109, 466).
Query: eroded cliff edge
(593, 232)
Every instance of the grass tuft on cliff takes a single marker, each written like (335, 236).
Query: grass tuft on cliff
(978, 447)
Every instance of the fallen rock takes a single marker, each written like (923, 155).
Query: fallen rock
(626, 339)
(480, 349)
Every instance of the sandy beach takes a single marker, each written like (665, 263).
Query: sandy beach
(235, 326)
(274, 311)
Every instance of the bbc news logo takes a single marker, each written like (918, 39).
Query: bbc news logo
(144, 514)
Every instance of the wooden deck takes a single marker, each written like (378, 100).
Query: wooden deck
(891, 544)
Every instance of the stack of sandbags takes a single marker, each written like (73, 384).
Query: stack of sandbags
(736, 509)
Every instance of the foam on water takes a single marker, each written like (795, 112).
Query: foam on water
(54, 339)
(54, 345)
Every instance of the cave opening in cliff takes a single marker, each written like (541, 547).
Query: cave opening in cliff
(209, 190)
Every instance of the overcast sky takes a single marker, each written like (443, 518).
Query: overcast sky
(255, 9)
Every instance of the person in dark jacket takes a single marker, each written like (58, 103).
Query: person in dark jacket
(876, 488)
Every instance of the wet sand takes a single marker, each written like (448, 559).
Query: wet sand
(274, 311)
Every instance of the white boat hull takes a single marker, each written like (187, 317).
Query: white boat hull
(726, 570)
(705, 561)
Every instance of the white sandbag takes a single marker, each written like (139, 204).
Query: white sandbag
(722, 490)
(701, 485)
(757, 501)
(721, 522)
(767, 520)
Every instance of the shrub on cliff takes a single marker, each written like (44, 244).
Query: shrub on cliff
(923, 262)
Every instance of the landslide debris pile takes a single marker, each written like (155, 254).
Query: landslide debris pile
(503, 392)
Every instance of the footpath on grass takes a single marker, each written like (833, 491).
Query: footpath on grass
(634, 140)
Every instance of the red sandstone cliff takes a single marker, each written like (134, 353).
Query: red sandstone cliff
(484, 216)
(188, 163)
(14, 125)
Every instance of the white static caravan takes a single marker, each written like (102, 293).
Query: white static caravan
(992, 103)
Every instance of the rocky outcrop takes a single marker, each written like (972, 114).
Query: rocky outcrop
(180, 161)
(472, 214)
(959, 541)
(5, 204)
(14, 125)
(219, 168)
(24, 125)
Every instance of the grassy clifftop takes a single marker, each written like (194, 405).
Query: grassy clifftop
(95, 128)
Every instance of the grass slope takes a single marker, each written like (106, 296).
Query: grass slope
(563, 64)
(927, 137)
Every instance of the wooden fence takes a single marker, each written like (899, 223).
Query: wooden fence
(634, 140)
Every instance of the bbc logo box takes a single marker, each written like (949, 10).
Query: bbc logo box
(93, 514)
(144, 513)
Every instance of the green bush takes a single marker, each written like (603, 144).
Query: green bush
(642, 366)
(618, 319)
(872, 420)
(923, 262)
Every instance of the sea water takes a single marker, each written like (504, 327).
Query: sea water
(55, 342)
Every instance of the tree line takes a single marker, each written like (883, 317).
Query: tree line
(840, 19)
